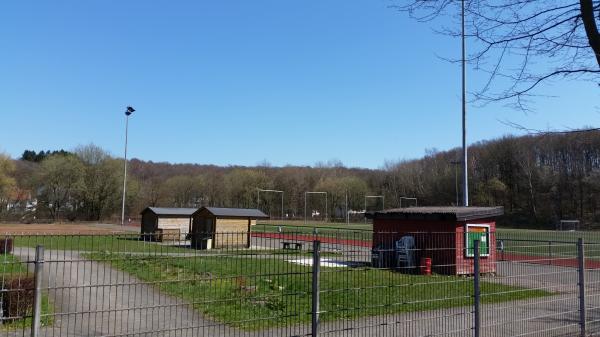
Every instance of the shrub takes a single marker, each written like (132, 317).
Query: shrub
(6, 245)
(17, 298)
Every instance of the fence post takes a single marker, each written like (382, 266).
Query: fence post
(37, 292)
(316, 270)
(550, 252)
(581, 284)
(476, 289)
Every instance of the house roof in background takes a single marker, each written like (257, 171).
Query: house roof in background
(437, 213)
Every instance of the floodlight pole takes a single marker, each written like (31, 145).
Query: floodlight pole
(273, 191)
(464, 112)
(313, 192)
(347, 212)
(128, 113)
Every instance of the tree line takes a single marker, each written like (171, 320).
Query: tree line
(539, 179)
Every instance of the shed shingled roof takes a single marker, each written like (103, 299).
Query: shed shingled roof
(437, 213)
(236, 212)
(171, 211)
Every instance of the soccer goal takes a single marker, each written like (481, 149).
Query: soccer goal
(314, 213)
(408, 202)
(266, 204)
(568, 225)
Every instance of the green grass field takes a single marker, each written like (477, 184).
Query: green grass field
(353, 231)
(10, 265)
(238, 290)
(96, 243)
(555, 244)
(317, 224)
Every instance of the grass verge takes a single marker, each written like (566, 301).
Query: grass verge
(257, 292)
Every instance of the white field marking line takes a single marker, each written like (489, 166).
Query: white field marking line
(330, 263)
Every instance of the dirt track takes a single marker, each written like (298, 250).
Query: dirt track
(71, 228)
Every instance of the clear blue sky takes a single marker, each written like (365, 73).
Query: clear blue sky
(240, 82)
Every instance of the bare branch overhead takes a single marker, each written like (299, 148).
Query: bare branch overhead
(520, 44)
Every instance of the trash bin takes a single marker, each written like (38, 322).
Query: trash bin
(425, 266)
(405, 253)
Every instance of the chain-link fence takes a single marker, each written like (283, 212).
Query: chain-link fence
(301, 283)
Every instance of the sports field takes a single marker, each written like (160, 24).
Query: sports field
(534, 246)
(300, 227)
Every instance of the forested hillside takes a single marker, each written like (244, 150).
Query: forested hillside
(538, 179)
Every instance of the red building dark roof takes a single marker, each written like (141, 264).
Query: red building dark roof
(437, 213)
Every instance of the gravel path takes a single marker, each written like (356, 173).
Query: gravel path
(92, 299)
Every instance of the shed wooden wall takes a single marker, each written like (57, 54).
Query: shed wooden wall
(183, 224)
(149, 221)
(232, 232)
(464, 265)
(442, 241)
(152, 222)
(227, 232)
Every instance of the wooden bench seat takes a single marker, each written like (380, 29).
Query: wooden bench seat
(289, 244)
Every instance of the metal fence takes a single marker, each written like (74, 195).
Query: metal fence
(286, 283)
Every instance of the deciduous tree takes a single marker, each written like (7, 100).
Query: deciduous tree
(7, 181)
(60, 181)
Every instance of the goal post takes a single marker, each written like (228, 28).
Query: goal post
(409, 201)
(259, 190)
(382, 197)
(568, 225)
(306, 203)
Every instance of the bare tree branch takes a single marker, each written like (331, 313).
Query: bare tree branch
(530, 131)
(521, 44)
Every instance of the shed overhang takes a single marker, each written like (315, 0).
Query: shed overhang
(437, 213)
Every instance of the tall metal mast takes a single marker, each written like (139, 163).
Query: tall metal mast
(464, 112)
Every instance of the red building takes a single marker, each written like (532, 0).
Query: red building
(443, 234)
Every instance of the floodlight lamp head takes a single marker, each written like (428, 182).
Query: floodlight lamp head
(129, 111)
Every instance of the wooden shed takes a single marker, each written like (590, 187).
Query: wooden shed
(161, 223)
(443, 234)
(214, 227)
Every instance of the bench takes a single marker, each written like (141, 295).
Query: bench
(289, 244)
